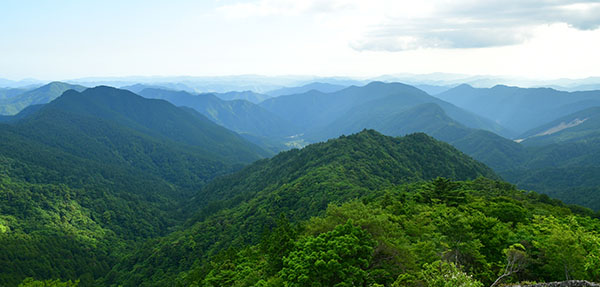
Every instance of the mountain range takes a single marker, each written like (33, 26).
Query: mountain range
(376, 184)
(250, 120)
(316, 86)
(315, 110)
(42, 95)
(122, 165)
(520, 109)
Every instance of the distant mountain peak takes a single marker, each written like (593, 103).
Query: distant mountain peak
(40, 95)
(464, 86)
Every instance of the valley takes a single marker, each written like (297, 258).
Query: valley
(162, 187)
(313, 143)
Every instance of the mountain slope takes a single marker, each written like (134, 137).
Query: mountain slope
(394, 118)
(157, 118)
(314, 110)
(563, 159)
(123, 142)
(571, 128)
(417, 235)
(249, 96)
(299, 183)
(520, 109)
(6, 93)
(239, 115)
(317, 86)
(91, 174)
(41, 95)
(137, 88)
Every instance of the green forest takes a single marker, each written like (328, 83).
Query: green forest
(300, 143)
(360, 210)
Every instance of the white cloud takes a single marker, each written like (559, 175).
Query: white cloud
(397, 25)
(282, 7)
(407, 25)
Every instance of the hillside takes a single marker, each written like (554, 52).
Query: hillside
(571, 128)
(313, 111)
(93, 173)
(137, 88)
(6, 93)
(157, 118)
(399, 119)
(560, 158)
(249, 96)
(569, 171)
(316, 86)
(434, 233)
(240, 116)
(520, 109)
(41, 95)
(300, 184)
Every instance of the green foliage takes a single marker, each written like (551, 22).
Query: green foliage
(438, 274)
(30, 282)
(299, 184)
(416, 241)
(42, 95)
(278, 243)
(92, 174)
(335, 258)
(240, 116)
(364, 210)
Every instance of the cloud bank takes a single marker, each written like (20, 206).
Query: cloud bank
(476, 24)
(398, 25)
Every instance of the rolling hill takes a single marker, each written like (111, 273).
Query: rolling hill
(238, 115)
(94, 172)
(520, 109)
(493, 150)
(313, 111)
(157, 118)
(562, 159)
(41, 95)
(316, 86)
(6, 93)
(571, 128)
(300, 184)
(249, 96)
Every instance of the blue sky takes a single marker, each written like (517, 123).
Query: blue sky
(53, 40)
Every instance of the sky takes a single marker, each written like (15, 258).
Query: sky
(67, 39)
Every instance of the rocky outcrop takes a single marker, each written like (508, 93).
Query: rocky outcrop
(570, 283)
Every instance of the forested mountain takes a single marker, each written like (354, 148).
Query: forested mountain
(396, 110)
(238, 115)
(575, 127)
(136, 88)
(520, 109)
(435, 233)
(236, 209)
(398, 120)
(313, 111)
(433, 89)
(114, 189)
(90, 173)
(368, 224)
(563, 159)
(157, 117)
(6, 93)
(41, 95)
(316, 86)
(249, 96)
